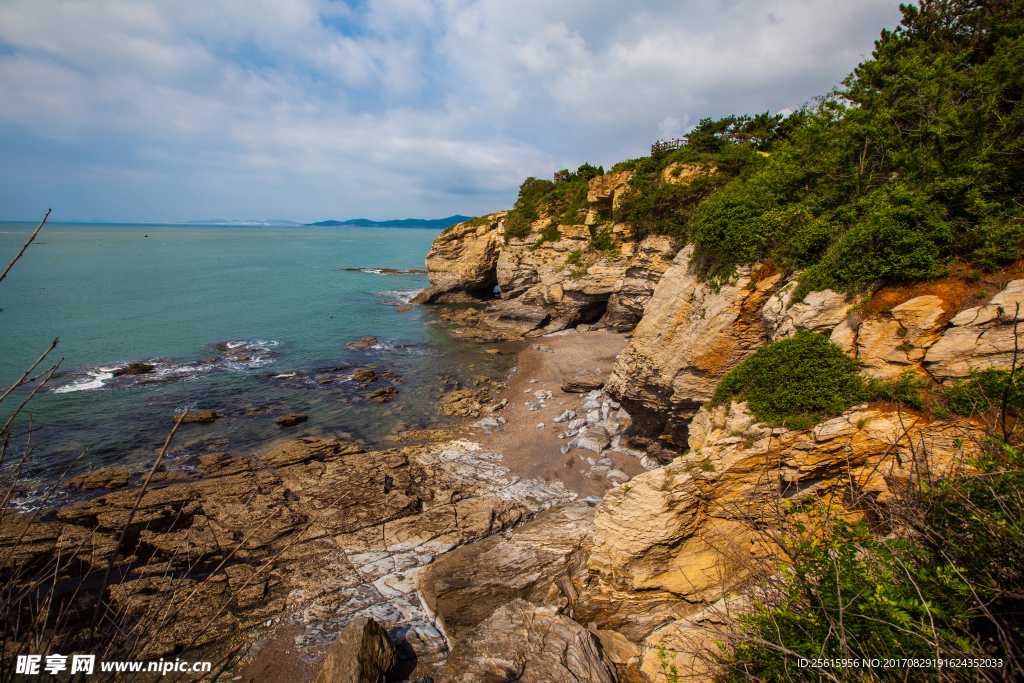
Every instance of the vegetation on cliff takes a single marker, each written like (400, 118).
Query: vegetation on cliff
(913, 164)
(947, 584)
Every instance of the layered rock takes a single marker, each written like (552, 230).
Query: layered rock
(523, 643)
(461, 263)
(691, 334)
(685, 529)
(352, 528)
(547, 286)
(537, 562)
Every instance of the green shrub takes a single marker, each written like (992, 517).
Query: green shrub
(805, 377)
(605, 244)
(952, 588)
(905, 388)
(984, 390)
(481, 220)
(550, 234)
(575, 258)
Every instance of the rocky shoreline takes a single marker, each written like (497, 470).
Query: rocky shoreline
(592, 512)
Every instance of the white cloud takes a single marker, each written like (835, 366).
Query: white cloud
(314, 108)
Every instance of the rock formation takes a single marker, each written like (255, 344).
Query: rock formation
(536, 562)
(461, 263)
(363, 653)
(547, 286)
(692, 333)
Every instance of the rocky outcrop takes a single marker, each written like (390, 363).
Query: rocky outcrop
(980, 337)
(547, 286)
(524, 643)
(352, 529)
(537, 562)
(691, 334)
(465, 402)
(105, 478)
(818, 312)
(363, 653)
(685, 529)
(462, 262)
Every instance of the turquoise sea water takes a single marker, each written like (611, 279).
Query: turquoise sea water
(249, 322)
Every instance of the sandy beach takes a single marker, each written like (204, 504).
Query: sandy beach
(533, 453)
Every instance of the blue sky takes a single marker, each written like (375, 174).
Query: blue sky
(145, 110)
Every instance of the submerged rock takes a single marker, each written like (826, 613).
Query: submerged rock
(383, 395)
(364, 375)
(291, 419)
(203, 417)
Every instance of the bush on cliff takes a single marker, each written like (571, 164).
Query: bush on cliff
(564, 201)
(794, 381)
(947, 585)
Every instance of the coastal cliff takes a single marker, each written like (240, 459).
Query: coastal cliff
(553, 277)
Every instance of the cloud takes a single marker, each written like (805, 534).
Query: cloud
(312, 109)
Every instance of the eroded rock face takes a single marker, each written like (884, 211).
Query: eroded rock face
(528, 644)
(818, 312)
(689, 337)
(980, 337)
(679, 529)
(462, 263)
(548, 286)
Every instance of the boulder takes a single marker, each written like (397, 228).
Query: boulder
(291, 419)
(537, 562)
(593, 438)
(581, 381)
(363, 653)
(523, 643)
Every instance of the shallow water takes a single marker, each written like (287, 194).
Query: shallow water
(249, 322)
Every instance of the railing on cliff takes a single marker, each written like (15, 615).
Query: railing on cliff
(667, 145)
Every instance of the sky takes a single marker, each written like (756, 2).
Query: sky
(308, 110)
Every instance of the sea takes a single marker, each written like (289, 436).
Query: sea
(250, 322)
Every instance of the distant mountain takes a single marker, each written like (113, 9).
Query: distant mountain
(437, 223)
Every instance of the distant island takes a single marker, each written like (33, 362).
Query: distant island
(440, 223)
